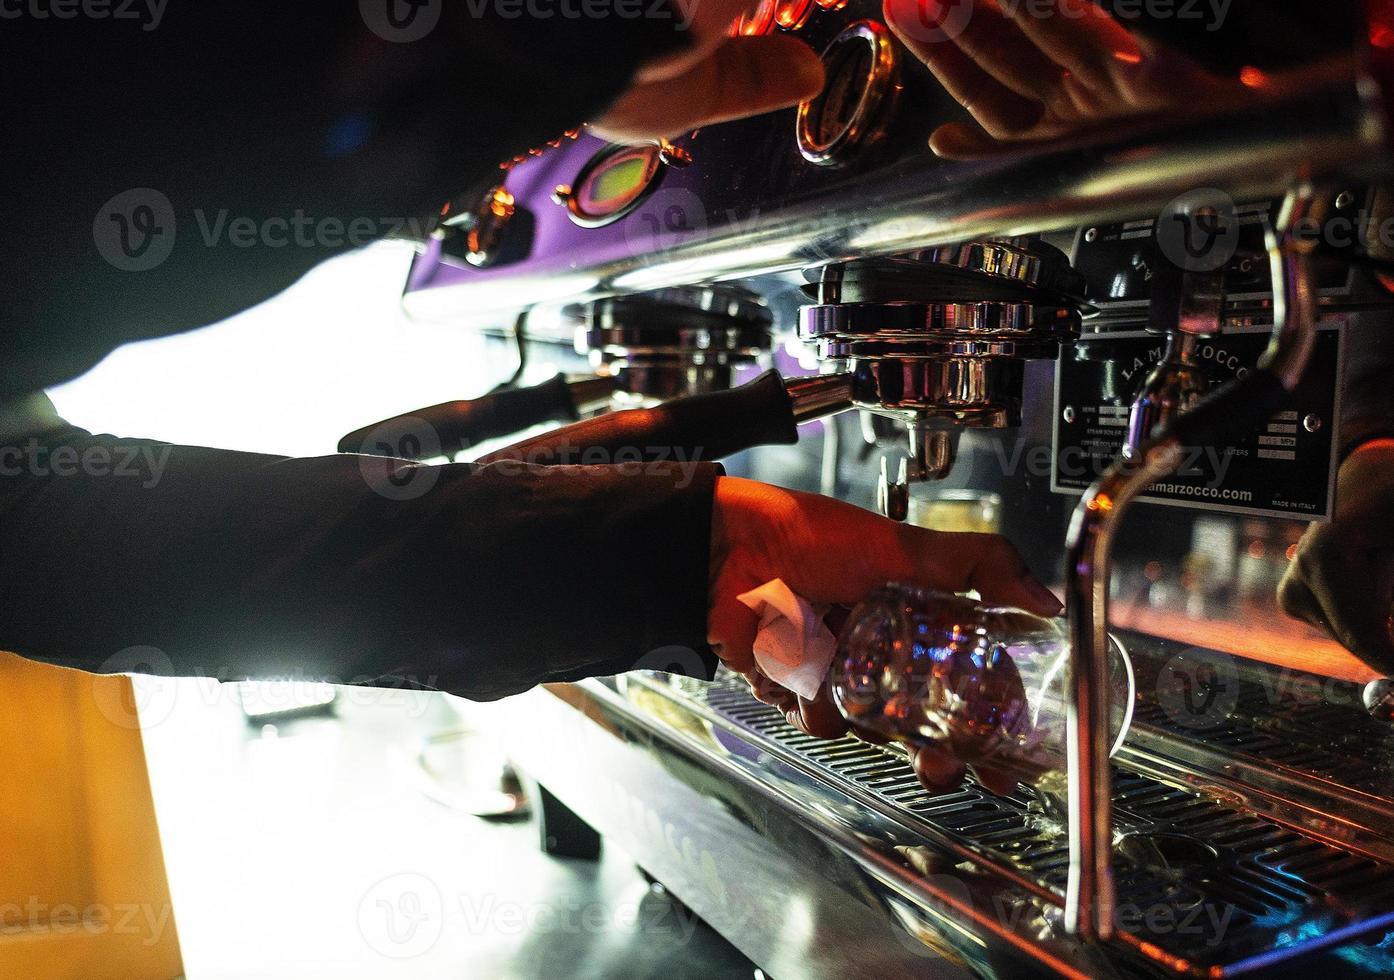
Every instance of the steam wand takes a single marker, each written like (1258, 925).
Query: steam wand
(1090, 898)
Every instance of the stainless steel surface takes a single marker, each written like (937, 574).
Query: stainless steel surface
(964, 329)
(893, 490)
(592, 394)
(673, 342)
(1291, 797)
(826, 859)
(806, 881)
(936, 366)
(819, 396)
(1091, 898)
(931, 451)
(1257, 868)
(1129, 169)
(1009, 260)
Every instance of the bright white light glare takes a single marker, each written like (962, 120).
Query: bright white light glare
(330, 354)
(263, 698)
(770, 258)
(482, 303)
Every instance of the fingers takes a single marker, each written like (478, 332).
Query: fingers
(964, 141)
(1344, 583)
(1002, 112)
(985, 563)
(820, 717)
(743, 76)
(1078, 36)
(1297, 600)
(768, 692)
(707, 23)
(999, 781)
(998, 46)
(867, 735)
(939, 772)
(731, 629)
(937, 769)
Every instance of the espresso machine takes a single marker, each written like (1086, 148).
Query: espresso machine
(1124, 350)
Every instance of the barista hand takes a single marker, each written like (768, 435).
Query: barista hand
(1340, 579)
(715, 79)
(829, 551)
(1034, 71)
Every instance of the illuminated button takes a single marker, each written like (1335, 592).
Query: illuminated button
(611, 184)
(758, 21)
(850, 112)
(486, 229)
(791, 15)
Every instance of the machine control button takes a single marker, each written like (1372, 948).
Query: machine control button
(851, 111)
(791, 15)
(672, 155)
(758, 21)
(483, 223)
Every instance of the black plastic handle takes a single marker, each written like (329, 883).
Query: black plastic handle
(447, 428)
(705, 427)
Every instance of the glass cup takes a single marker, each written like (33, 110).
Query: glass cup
(929, 668)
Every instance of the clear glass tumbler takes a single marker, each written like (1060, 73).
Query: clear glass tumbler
(924, 667)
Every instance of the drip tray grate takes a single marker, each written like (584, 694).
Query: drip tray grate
(1207, 881)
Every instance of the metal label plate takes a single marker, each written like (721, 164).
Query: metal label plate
(1285, 468)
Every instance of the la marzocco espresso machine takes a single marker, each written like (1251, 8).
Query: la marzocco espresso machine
(1124, 350)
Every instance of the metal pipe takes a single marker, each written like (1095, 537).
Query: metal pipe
(819, 396)
(1090, 898)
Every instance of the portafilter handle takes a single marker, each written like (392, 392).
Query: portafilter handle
(447, 428)
(766, 411)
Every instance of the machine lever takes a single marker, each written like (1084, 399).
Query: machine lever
(709, 426)
(452, 426)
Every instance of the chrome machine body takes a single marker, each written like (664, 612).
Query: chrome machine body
(1048, 377)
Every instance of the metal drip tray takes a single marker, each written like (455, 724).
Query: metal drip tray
(1206, 886)
(1320, 740)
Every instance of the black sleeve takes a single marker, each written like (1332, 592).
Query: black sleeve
(1367, 393)
(167, 163)
(123, 555)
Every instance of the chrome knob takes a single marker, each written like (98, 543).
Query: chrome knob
(1379, 699)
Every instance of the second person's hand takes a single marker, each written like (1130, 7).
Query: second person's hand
(1040, 70)
(714, 79)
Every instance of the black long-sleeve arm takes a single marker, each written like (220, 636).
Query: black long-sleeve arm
(482, 581)
(1367, 395)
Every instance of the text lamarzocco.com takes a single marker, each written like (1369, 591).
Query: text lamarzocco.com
(1217, 493)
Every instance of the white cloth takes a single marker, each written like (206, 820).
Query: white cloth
(793, 646)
